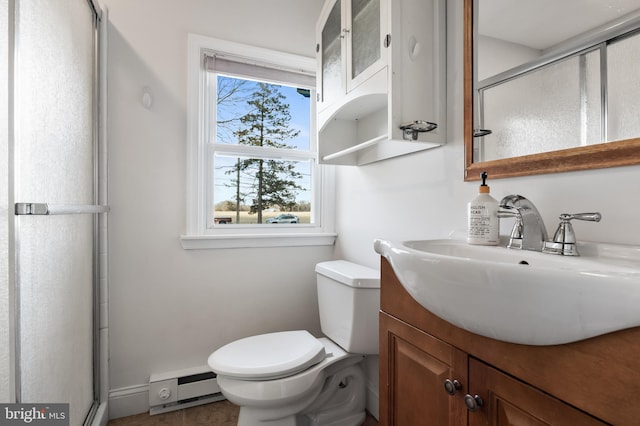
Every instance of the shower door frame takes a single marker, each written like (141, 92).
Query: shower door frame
(98, 412)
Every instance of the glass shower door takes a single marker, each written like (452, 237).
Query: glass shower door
(55, 168)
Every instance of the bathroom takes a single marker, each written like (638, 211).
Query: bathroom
(170, 307)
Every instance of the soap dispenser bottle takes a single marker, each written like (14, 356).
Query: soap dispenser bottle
(483, 223)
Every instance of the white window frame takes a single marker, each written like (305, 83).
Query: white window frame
(198, 234)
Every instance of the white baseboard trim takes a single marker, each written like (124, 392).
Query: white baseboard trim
(128, 401)
(132, 400)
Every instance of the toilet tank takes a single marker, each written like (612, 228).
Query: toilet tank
(349, 303)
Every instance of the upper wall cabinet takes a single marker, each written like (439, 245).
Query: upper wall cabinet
(381, 79)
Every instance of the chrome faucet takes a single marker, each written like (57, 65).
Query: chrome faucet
(529, 232)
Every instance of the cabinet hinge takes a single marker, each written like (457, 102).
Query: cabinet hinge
(387, 40)
(317, 47)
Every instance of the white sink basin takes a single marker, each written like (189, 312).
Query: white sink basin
(521, 296)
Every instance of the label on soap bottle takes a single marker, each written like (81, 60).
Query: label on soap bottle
(483, 223)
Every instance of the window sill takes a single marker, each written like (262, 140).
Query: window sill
(199, 242)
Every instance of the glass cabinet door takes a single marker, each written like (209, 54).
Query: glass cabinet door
(332, 86)
(365, 35)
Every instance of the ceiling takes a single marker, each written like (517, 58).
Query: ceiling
(544, 23)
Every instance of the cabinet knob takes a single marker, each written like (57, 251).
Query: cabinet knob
(473, 402)
(452, 386)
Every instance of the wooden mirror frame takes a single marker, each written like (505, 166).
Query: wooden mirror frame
(610, 154)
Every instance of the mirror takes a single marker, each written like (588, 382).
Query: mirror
(579, 24)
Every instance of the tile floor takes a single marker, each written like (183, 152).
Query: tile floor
(222, 413)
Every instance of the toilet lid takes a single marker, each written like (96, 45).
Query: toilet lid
(268, 356)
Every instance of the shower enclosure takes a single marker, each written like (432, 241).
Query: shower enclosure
(53, 214)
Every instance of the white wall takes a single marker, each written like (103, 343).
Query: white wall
(170, 308)
(498, 56)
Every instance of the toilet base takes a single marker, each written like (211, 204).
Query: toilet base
(340, 402)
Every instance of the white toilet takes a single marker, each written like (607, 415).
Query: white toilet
(292, 378)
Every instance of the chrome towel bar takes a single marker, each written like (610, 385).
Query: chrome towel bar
(30, 209)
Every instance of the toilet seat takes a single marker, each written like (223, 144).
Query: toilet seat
(268, 356)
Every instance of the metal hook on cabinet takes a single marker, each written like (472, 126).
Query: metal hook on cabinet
(410, 130)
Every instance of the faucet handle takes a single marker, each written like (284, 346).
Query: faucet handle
(564, 240)
(515, 240)
(593, 217)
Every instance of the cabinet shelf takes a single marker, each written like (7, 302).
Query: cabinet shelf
(358, 125)
(354, 148)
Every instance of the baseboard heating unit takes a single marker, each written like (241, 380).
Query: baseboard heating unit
(182, 389)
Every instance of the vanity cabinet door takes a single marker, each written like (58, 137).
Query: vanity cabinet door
(507, 401)
(413, 369)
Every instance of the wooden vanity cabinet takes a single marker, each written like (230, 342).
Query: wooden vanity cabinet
(592, 382)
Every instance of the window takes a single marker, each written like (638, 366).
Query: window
(253, 173)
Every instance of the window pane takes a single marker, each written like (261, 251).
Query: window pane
(255, 190)
(262, 114)
(624, 88)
